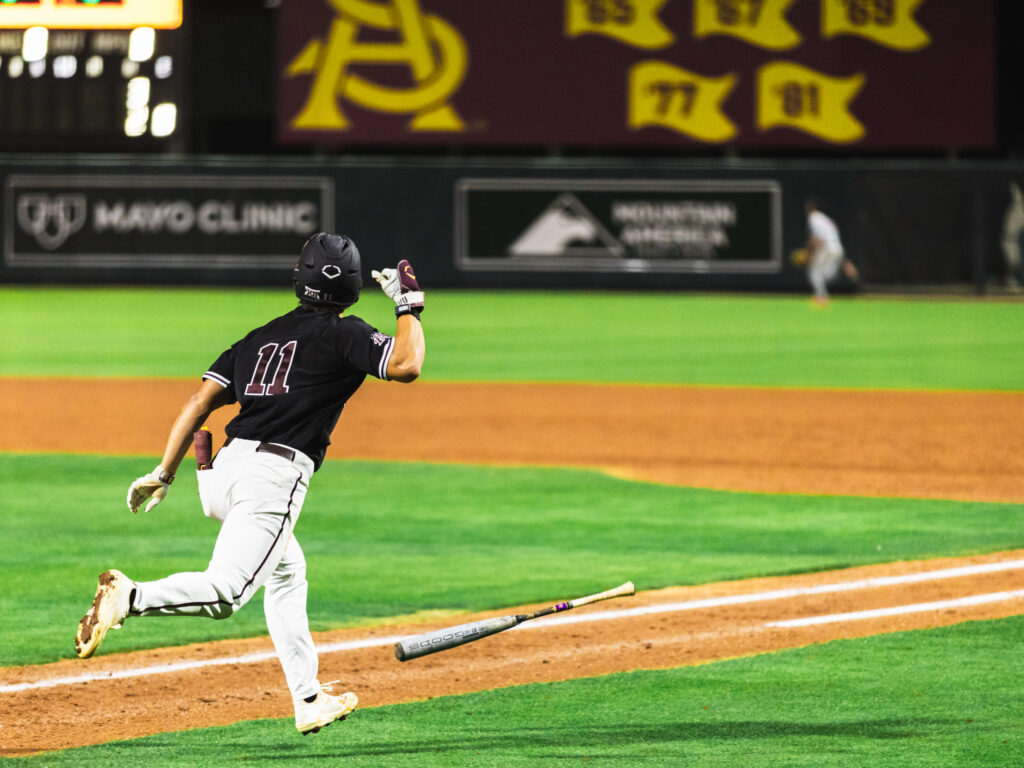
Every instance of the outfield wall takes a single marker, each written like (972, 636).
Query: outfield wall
(554, 222)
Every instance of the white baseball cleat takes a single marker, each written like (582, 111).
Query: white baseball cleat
(109, 608)
(325, 709)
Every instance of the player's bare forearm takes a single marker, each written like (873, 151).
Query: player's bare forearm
(189, 420)
(194, 413)
(410, 349)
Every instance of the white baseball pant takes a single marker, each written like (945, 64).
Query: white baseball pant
(257, 497)
(822, 268)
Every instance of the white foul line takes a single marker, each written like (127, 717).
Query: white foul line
(897, 610)
(184, 666)
(781, 594)
(710, 602)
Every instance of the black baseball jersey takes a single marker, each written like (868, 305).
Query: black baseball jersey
(293, 376)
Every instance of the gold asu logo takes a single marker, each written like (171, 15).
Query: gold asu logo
(432, 49)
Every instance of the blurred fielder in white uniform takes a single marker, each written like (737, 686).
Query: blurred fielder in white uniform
(1013, 225)
(825, 254)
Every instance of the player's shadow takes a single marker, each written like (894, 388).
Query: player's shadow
(562, 740)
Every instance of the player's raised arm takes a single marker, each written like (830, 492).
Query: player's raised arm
(410, 347)
(407, 358)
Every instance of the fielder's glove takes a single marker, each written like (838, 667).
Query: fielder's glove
(401, 286)
(152, 486)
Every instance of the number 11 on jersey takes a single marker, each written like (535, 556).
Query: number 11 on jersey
(285, 354)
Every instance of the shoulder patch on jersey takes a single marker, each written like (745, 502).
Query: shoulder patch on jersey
(380, 339)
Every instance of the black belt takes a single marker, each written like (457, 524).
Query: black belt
(277, 450)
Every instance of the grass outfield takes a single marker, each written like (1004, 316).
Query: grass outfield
(549, 336)
(475, 537)
(947, 697)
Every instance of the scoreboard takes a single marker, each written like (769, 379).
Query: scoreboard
(91, 14)
(91, 75)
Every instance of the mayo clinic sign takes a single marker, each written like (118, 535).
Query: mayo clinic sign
(162, 221)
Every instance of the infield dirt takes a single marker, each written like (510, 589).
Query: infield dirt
(939, 445)
(952, 445)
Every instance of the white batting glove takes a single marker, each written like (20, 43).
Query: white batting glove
(389, 283)
(152, 486)
(401, 285)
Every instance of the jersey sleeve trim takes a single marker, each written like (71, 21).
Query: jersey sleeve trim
(216, 377)
(382, 368)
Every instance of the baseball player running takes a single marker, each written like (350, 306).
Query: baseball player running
(292, 378)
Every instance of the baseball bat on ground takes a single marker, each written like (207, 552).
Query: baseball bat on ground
(450, 637)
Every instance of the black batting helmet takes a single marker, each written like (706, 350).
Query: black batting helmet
(328, 271)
